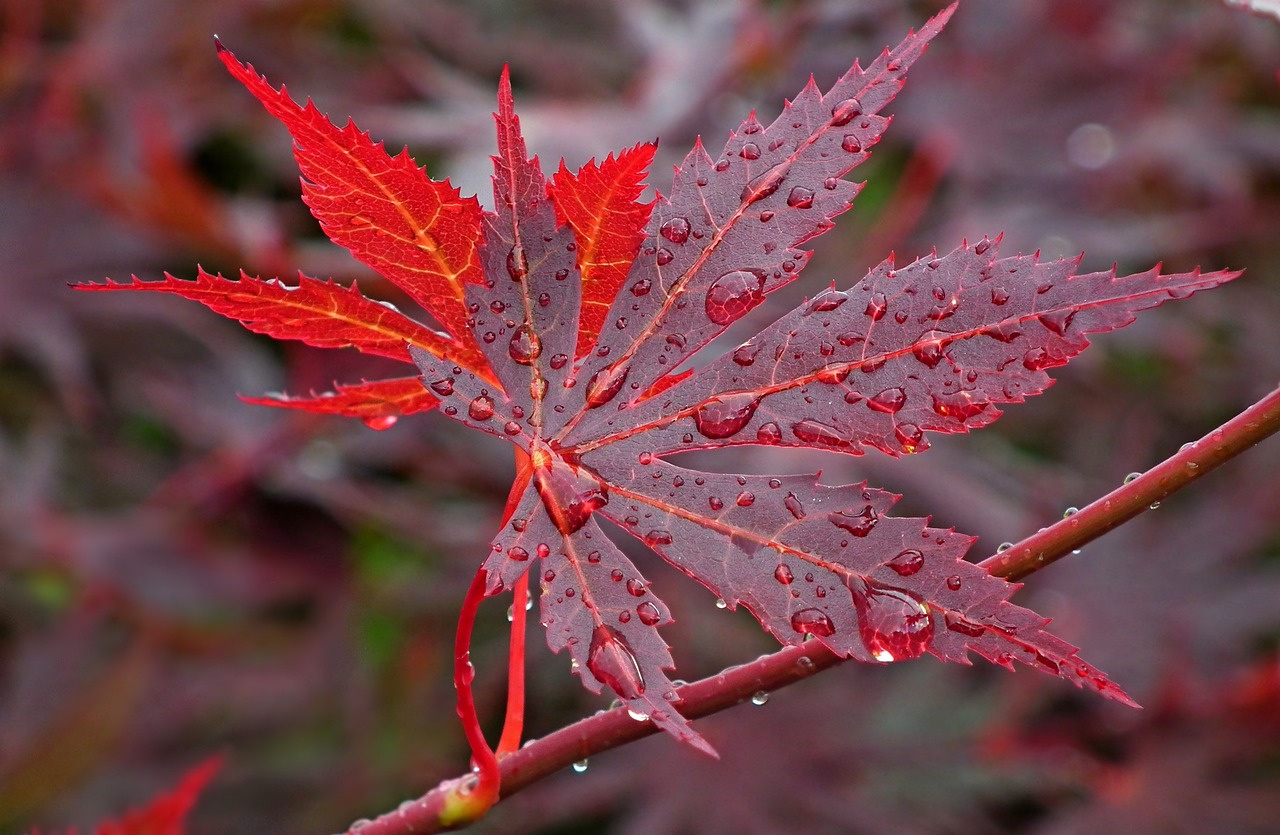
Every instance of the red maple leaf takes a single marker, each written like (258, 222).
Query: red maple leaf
(573, 312)
(166, 814)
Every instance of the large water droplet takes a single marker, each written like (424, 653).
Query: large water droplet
(813, 622)
(612, 662)
(765, 184)
(845, 111)
(1057, 321)
(794, 506)
(958, 623)
(675, 230)
(911, 437)
(605, 384)
(481, 408)
(732, 295)
(648, 613)
(657, 537)
(783, 574)
(724, 417)
(907, 563)
(750, 151)
(641, 287)
(769, 434)
(746, 498)
(800, 198)
(929, 353)
(858, 524)
(960, 405)
(876, 306)
(745, 355)
(444, 387)
(570, 496)
(525, 346)
(895, 625)
(890, 400)
(813, 432)
(517, 264)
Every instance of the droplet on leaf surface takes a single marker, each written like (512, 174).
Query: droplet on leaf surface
(895, 625)
(611, 660)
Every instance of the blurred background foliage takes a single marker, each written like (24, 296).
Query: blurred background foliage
(182, 573)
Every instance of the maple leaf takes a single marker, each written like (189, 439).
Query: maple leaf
(933, 346)
(573, 311)
(166, 814)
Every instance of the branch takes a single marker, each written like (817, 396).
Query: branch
(611, 729)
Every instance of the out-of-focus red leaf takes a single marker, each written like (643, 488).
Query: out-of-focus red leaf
(167, 814)
(418, 232)
(600, 203)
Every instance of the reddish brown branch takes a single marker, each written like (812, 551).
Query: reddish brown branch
(611, 729)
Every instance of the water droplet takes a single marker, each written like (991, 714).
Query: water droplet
(844, 112)
(636, 587)
(805, 663)
(760, 698)
(1154, 506)
(1131, 476)
(783, 574)
(657, 537)
(525, 346)
(732, 295)
(648, 613)
(612, 662)
(769, 434)
(929, 353)
(813, 432)
(641, 287)
(1038, 359)
(911, 437)
(664, 257)
(749, 151)
(745, 354)
(517, 554)
(548, 575)
(444, 387)
(1058, 321)
(720, 604)
(765, 184)
(746, 499)
(481, 408)
(981, 247)
(1071, 511)
(638, 716)
(724, 417)
(580, 766)
(800, 198)
(890, 400)
(605, 384)
(517, 264)
(954, 582)
(958, 623)
(1003, 546)
(570, 496)
(511, 427)
(793, 504)
(894, 624)
(999, 296)
(497, 306)
(380, 422)
(812, 622)
(907, 563)
(858, 524)
(958, 405)
(833, 374)
(877, 306)
(715, 503)
(675, 230)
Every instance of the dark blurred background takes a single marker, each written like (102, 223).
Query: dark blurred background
(182, 573)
